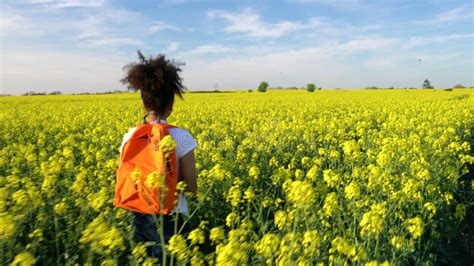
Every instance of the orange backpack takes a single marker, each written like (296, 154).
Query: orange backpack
(147, 173)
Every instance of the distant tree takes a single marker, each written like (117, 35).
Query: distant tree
(250, 90)
(372, 88)
(310, 87)
(32, 93)
(292, 88)
(459, 86)
(427, 84)
(263, 86)
(319, 88)
(55, 93)
(391, 88)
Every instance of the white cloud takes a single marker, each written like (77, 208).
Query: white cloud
(109, 27)
(327, 2)
(250, 23)
(12, 22)
(68, 3)
(160, 26)
(453, 15)
(211, 49)
(366, 44)
(115, 42)
(388, 64)
(67, 72)
(17, 24)
(413, 42)
(172, 47)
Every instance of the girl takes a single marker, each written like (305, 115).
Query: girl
(158, 81)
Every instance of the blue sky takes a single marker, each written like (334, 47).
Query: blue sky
(81, 45)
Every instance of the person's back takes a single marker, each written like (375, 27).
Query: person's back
(158, 81)
(185, 144)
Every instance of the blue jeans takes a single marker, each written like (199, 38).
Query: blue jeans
(146, 230)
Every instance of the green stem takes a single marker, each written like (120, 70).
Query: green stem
(162, 239)
(194, 212)
(376, 247)
(56, 244)
(175, 230)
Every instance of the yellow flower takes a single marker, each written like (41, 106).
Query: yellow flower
(217, 234)
(268, 245)
(101, 236)
(36, 234)
(249, 194)
(430, 208)
(8, 228)
(281, 219)
(167, 144)
(60, 208)
(178, 247)
(397, 241)
(376, 263)
(331, 178)
(372, 221)
(232, 219)
(136, 175)
(254, 171)
(139, 252)
(331, 204)
(312, 174)
(352, 190)
(232, 253)
(24, 259)
(156, 180)
(301, 194)
(311, 242)
(196, 236)
(343, 246)
(415, 226)
(181, 186)
(234, 195)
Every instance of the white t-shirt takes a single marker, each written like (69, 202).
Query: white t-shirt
(184, 144)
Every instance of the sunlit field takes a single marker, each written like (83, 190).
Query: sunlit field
(284, 177)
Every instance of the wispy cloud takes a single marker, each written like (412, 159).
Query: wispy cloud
(160, 26)
(327, 2)
(68, 3)
(217, 49)
(115, 42)
(457, 14)
(13, 22)
(109, 27)
(250, 23)
(418, 41)
(172, 47)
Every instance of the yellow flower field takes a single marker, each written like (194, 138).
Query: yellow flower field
(284, 177)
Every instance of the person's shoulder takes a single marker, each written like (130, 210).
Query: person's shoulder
(179, 131)
(126, 137)
(184, 140)
(130, 132)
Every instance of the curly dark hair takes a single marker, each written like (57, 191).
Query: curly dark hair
(157, 79)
